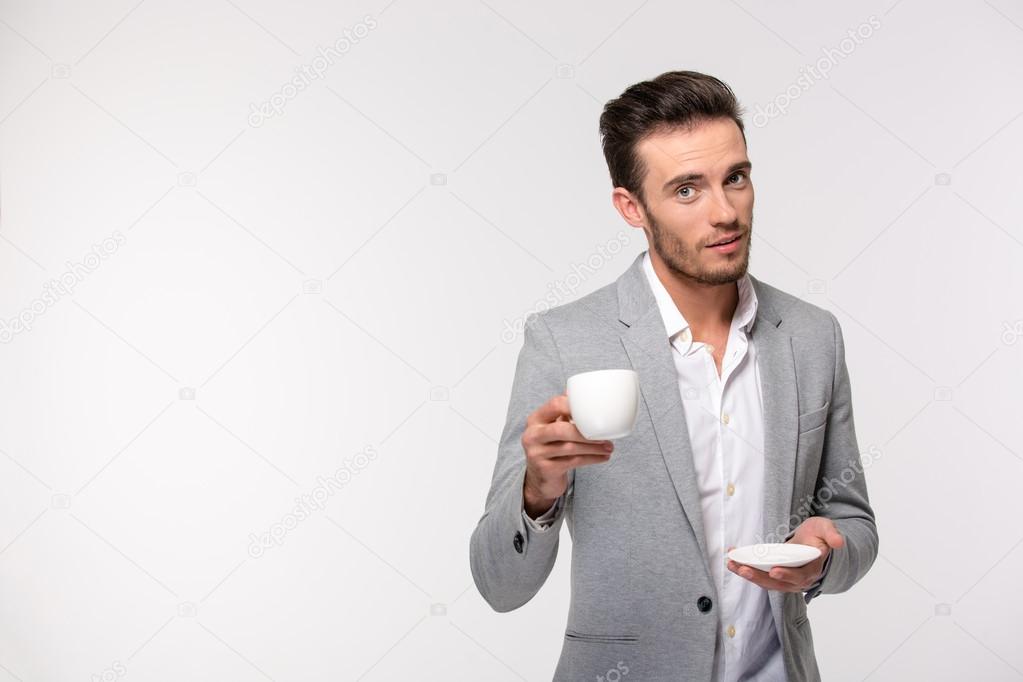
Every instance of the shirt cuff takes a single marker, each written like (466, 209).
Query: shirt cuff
(543, 522)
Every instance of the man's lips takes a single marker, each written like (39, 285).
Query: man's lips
(726, 240)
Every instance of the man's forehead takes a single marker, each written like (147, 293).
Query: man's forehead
(669, 151)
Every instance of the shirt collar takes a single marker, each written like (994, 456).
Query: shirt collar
(674, 322)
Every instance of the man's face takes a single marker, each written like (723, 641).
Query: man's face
(698, 192)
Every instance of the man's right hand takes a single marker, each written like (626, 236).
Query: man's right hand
(553, 447)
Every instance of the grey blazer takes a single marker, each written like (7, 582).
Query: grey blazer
(642, 597)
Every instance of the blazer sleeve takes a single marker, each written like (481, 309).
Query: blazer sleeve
(509, 560)
(841, 488)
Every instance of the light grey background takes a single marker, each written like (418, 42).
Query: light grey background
(337, 283)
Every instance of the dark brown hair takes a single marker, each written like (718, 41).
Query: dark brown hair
(673, 99)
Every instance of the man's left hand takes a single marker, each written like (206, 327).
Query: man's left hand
(816, 531)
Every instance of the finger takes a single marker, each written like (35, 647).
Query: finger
(568, 448)
(566, 415)
(797, 577)
(760, 578)
(564, 431)
(828, 532)
(550, 411)
(576, 461)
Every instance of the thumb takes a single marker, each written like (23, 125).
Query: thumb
(833, 537)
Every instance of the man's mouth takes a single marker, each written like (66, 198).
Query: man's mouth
(727, 240)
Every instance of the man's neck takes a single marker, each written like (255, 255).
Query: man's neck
(706, 307)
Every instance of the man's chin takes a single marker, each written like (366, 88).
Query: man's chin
(719, 279)
(724, 276)
(714, 275)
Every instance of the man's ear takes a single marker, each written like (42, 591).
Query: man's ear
(629, 207)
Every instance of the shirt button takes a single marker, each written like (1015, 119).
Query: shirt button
(725, 418)
(686, 335)
(710, 348)
(731, 489)
(731, 631)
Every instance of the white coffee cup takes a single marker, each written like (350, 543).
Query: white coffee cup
(604, 403)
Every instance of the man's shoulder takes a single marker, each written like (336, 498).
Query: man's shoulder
(798, 316)
(594, 308)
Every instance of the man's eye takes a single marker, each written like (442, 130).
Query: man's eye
(739, 174)
(685, 189)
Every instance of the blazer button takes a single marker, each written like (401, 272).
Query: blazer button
(518, 542)
(704, 604)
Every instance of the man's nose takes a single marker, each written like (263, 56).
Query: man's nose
(722, 212)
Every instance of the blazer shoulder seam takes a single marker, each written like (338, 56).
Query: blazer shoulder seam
(554, 343)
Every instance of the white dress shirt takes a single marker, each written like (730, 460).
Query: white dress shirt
(724, 415)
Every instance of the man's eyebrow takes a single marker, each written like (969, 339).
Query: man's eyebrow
(696, 177)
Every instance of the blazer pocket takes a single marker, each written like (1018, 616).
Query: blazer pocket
(574, 636)
(813, 419)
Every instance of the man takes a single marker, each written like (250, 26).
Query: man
(745, 432)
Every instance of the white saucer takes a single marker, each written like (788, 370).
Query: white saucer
(766, 556)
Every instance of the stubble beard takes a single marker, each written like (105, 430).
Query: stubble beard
(683, 262)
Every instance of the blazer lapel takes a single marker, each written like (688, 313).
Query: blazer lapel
(646, 343)
(778, 383)
(776, 362)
